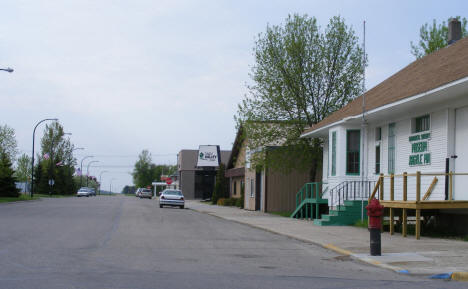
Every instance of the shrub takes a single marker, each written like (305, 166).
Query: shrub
(240, 203)
(221, 202)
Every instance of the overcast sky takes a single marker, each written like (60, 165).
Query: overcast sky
(123, 76)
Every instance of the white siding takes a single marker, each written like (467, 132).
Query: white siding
(437, 148)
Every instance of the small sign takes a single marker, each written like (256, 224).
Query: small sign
(51, 182)
(168, 181)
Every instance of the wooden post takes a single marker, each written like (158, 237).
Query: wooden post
(418, 199)
(418, 223)
(392, 196)
(381, 187)
(405, 197)
(450, 186)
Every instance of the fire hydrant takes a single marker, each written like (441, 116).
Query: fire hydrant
(375, 212)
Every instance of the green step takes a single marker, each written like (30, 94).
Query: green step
(348, 214)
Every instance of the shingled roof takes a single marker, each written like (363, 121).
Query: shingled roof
(434, 70)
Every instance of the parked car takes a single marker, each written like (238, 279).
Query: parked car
(146, 193)
(137, 192)
(92, 191)
(172, 198)
(84, 192)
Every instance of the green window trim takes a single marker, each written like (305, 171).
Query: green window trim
(333, 160)
(391, 148)
(353, 156)
(422, 123)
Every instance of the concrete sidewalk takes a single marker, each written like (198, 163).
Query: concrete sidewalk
(427, 256)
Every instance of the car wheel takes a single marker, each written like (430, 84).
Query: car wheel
(182, 207)
(160, 206)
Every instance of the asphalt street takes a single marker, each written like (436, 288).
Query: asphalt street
(126, 242)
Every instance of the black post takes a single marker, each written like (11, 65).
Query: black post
(447, 161)
(375, 242)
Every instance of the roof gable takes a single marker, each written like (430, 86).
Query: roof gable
(434, 70)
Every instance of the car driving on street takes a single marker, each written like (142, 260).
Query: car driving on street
(172, 198)
(145, 193)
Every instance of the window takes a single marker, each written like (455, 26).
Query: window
(333, 158)
(378, 133)
(235, 188)
(421, 124)
(377, 159)
(391, 148)
(353, 142)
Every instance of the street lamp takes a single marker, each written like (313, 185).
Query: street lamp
(10, 70)
(100, 175)
(32, 158)
(110, 185)
(52, 162)
(87, 171)
(81, 169)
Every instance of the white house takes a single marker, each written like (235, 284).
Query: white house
(416, 120)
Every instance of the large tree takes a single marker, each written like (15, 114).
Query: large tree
(23, 168)
(7, 178)
(301, 74)
(143, 172)
(434, 37)
(8, 142)
(56, 161)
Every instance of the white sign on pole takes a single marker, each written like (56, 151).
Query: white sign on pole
(208, 156)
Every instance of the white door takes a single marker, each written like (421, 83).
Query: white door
(461, 150)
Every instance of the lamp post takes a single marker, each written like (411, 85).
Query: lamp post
(81, 169)
(8, 69)
(110, 185)
(100, 175)
(32, 158)
(87, 171)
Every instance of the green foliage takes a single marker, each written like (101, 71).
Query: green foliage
(7, 179)
(434, 37)
(220, 189)
(282, 214)
(129, 190)
(301, 75)
(58, 166)
(240, 203)
(8, 142)
(145, 171)
(23, 168)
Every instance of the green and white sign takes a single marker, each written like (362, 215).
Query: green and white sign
(420, 155)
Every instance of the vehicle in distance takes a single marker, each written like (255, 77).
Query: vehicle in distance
(84, 192)
(145, 193)
(172, 198)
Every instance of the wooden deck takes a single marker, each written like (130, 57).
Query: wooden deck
(425, 205)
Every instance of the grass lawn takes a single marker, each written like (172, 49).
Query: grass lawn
(20, 198)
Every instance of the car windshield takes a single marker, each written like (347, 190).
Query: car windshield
(146, 190)
(175, 193)
(83, 190)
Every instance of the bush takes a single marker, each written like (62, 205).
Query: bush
(230, 202)
(220, 202)
(240, 203)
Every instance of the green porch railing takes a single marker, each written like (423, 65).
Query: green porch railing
(310, 194)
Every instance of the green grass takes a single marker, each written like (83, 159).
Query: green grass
(208, 202)
(20, 198)
(282, 214)
(361, 224)
(52, 196)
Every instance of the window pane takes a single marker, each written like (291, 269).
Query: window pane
(391, 148)
(377, 159)
(334, 153)
(352, 151)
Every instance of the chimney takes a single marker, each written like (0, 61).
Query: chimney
(454, 31)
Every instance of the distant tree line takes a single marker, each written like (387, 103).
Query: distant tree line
(146, 172)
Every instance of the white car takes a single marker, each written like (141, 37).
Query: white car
(172, 198)
(84, 192)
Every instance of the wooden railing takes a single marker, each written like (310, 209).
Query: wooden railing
(379, 188)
